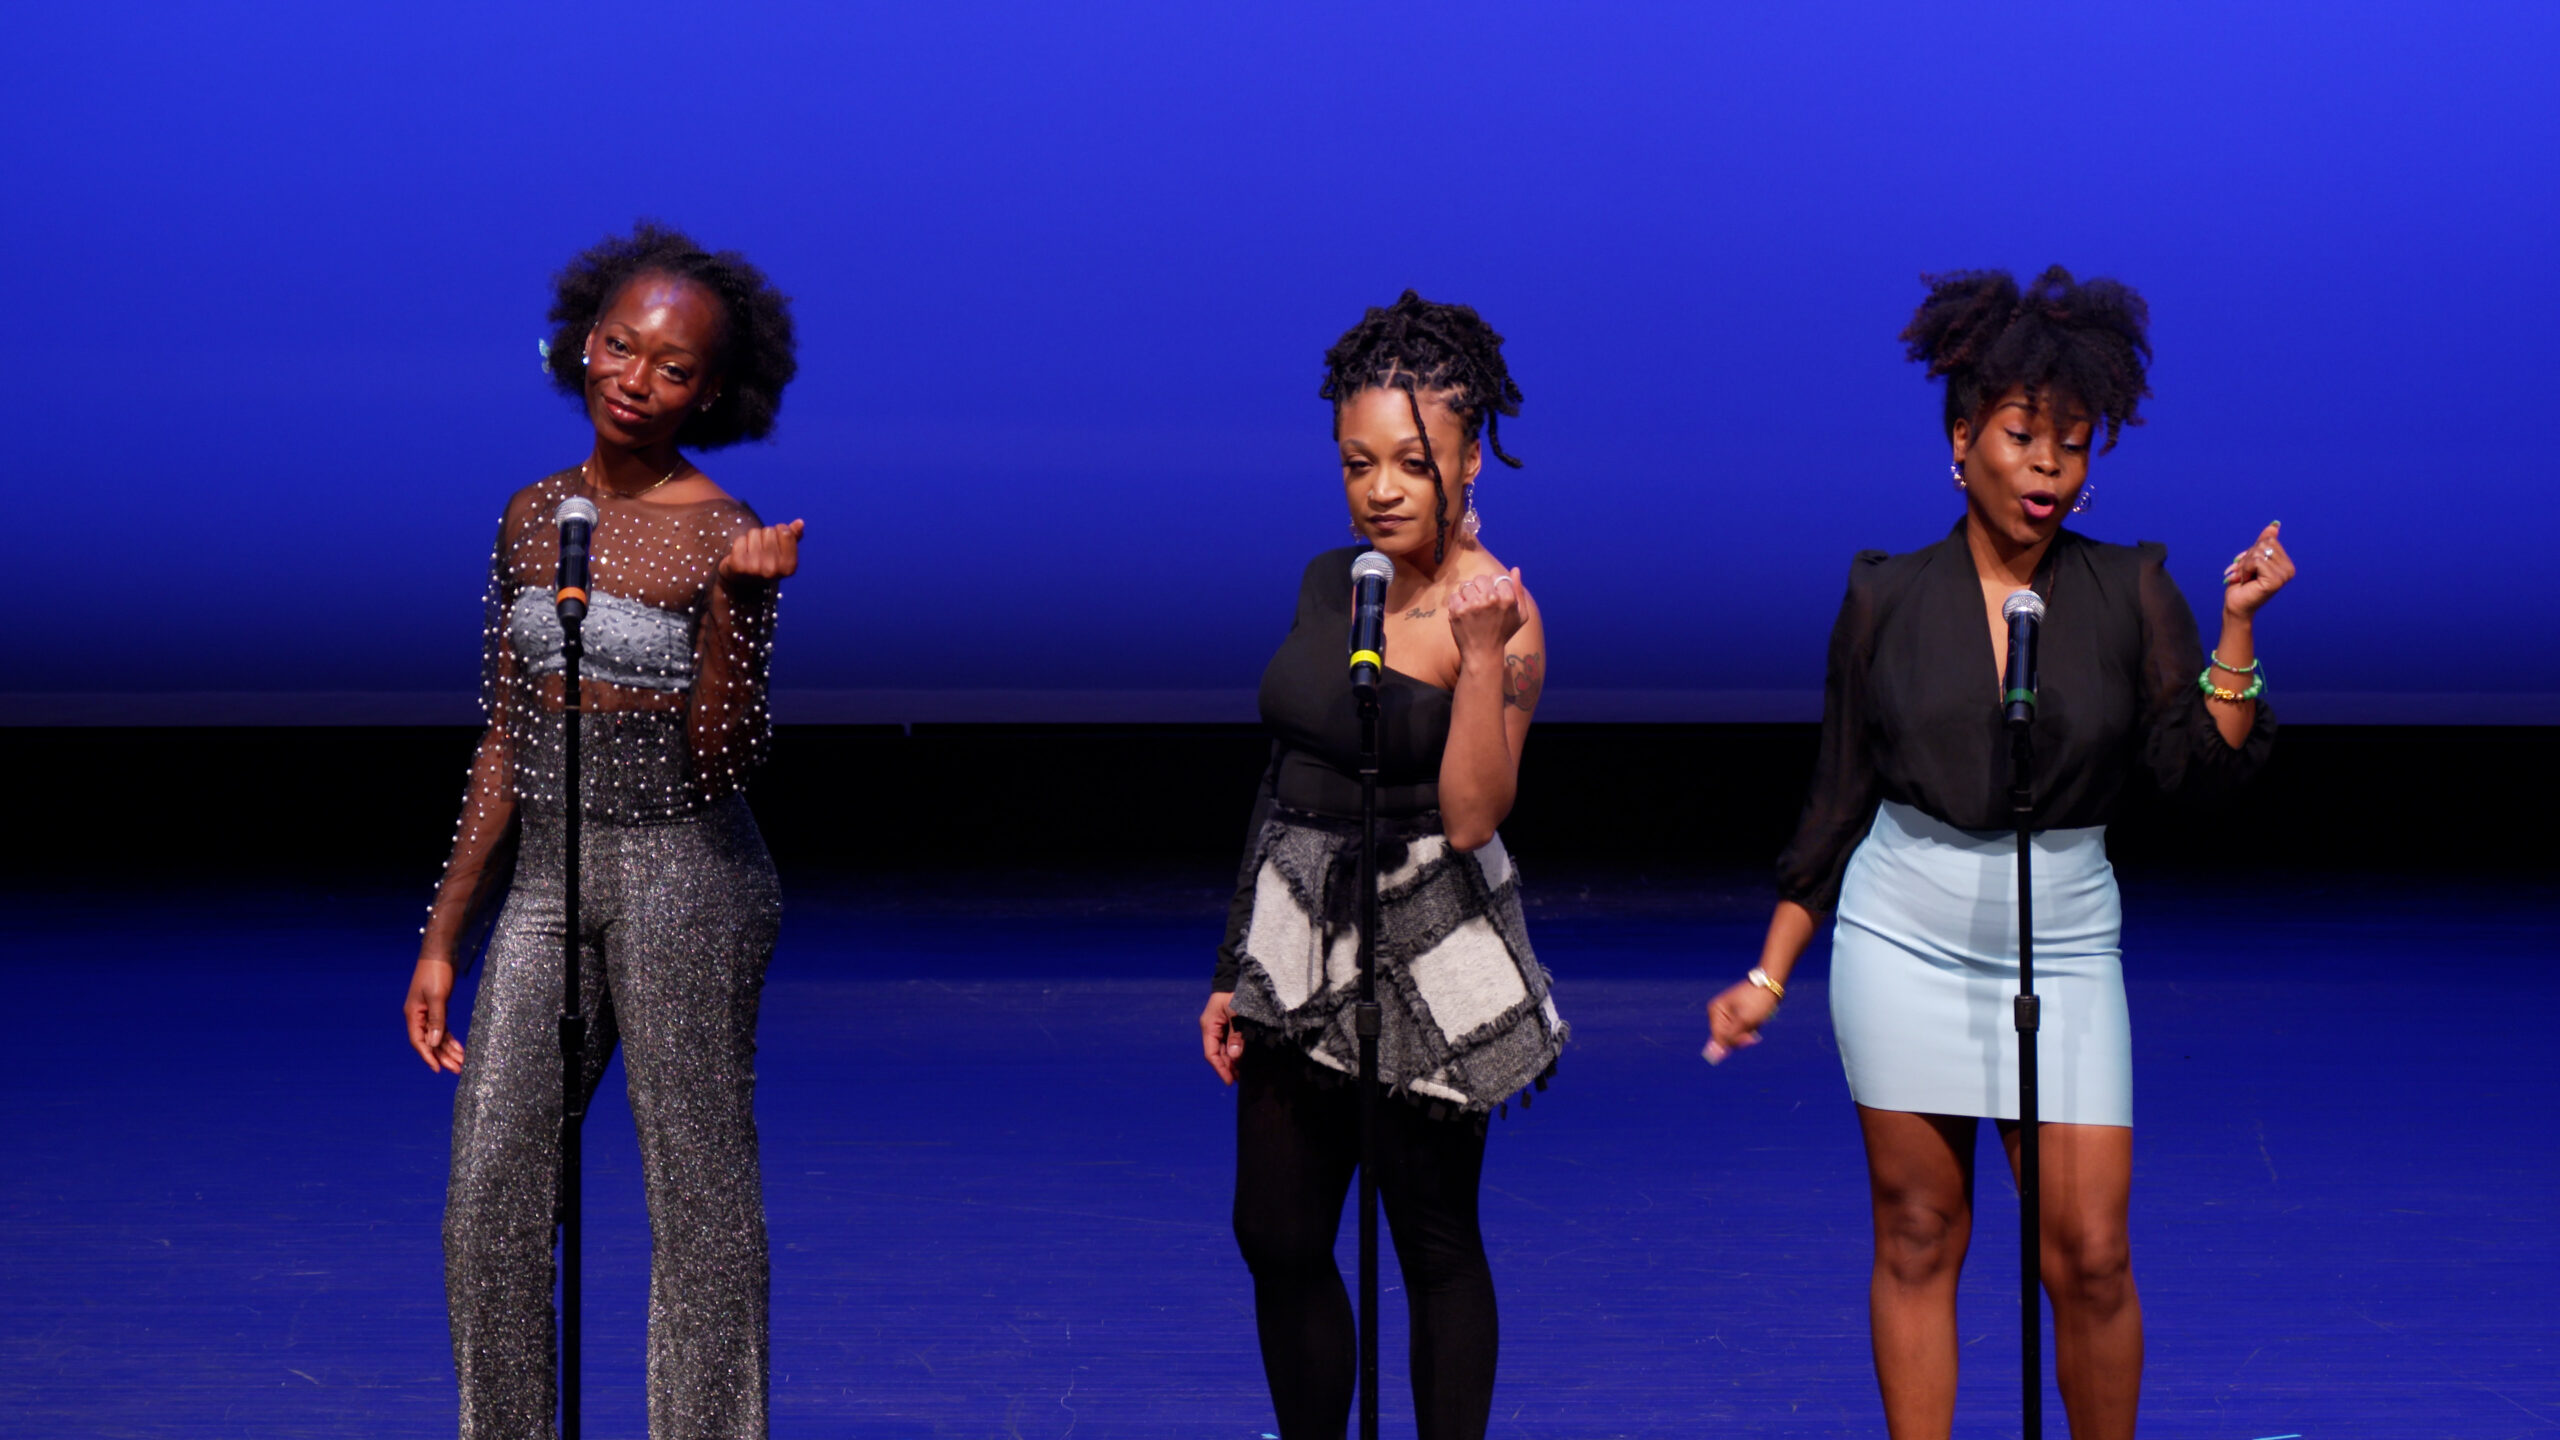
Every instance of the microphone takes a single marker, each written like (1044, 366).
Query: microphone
(1370, 572)
(577, 520)
(2024, 610)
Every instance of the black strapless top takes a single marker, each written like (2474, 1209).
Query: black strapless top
(1315, 737)
(1315, 724)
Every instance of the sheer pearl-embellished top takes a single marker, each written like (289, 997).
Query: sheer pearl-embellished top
(672, 681)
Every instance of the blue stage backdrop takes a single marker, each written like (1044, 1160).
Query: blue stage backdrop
(1065, 272)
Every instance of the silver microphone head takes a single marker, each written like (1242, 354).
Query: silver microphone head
(1370, 565)
(578, 508)
(2023, 602)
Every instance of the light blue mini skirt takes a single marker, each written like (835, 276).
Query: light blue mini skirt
(1924, 962)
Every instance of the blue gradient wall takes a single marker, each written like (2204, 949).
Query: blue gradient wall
(1064, 274)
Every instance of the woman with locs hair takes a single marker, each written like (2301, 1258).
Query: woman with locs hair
(663, 345)
(1417, 390)
(1908, 833)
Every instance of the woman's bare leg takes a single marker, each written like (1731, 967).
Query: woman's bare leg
(1920, 1178)
(2088, 1272)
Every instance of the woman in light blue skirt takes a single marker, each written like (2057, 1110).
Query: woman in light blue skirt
(1908, 833)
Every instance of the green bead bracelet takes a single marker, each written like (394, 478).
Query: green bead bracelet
(2257, 686)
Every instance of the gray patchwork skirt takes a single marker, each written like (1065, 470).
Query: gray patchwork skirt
(1468, 1018)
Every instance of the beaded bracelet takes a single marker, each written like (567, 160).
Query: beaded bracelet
(2221, 664)
(2257, 687)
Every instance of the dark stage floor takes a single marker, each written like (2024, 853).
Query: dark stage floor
(998, 1174)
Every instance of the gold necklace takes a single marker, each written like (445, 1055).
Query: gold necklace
(586, 471)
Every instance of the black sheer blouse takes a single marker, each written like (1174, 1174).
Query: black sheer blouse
(1911, 712)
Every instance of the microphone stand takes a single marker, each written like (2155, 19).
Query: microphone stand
(2027, 1019)
(573, 1029)
(1365, 1023)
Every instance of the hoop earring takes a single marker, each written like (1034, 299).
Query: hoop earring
(1472, 523)
(2088, 496)
(1955, 471)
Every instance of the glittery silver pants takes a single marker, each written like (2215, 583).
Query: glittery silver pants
(678, 921)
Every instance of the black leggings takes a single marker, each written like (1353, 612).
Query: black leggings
(1297, 1151)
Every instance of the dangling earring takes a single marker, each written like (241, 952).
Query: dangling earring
(705, 406)
(1955, 470)
(1472, 524)
(2088, 493)
(1356, 532)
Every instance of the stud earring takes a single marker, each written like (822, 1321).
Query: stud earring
(1955, 471)
(2088, 497)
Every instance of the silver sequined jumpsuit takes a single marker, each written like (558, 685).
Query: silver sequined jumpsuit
(678, 912)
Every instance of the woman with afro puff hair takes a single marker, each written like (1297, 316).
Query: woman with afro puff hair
(1417, 390)
(663, 345)
(1908, 833)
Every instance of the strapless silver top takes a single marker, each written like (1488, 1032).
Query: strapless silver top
(628, 643)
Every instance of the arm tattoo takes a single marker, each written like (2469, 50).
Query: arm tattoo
(1523, 676)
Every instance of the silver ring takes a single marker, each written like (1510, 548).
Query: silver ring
(2269, 552)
